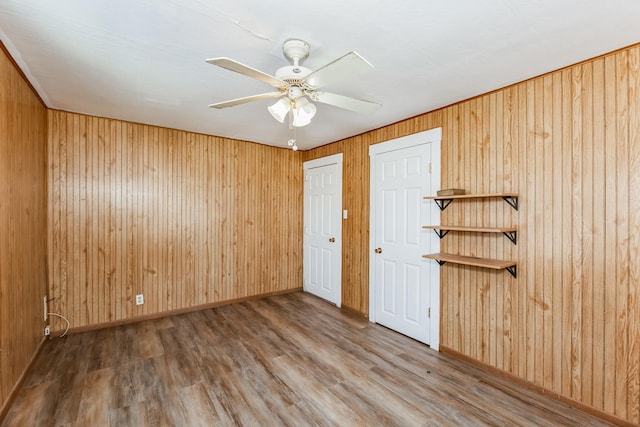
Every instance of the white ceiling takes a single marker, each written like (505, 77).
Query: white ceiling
(144, 60)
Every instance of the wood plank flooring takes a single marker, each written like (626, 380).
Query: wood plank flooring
(286, 360)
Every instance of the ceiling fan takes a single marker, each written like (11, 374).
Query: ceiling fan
(294, 83)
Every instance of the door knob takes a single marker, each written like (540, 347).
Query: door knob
(378, 250)
(333, 239)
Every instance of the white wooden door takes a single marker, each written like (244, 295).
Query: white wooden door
(322, 248)
(403, 279)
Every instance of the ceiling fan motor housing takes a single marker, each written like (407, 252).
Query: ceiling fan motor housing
(292, 73)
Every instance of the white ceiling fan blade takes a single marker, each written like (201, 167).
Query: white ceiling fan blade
(236, 66)
(246, 99)
(344, 67)
(346, 102)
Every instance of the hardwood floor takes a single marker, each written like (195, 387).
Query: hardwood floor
(284, 360)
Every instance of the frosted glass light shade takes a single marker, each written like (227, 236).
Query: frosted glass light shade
(303, 112)
(280, 109)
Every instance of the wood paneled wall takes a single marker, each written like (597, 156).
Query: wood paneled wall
(22, 224)
(569, 143)
(182, 218)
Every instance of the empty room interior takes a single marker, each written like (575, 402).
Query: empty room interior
(343, 213)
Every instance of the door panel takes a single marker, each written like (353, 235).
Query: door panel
(327, 285)
(412, 293)
(401, 283)
(323, 229)
(390, 199)
(389, 287)
(413, 200)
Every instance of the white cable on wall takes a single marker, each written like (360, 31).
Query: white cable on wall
(65, 319)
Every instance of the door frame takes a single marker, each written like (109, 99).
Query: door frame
(311, 164)
(434, 137)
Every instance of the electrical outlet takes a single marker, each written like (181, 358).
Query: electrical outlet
(139, 299)
(47, 331)
(46, 314)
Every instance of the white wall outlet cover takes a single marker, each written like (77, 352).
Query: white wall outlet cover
(345, 214)
(139, 299)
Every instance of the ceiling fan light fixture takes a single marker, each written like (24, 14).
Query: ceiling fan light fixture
(280, 109)
(303, 112)
(295, 83)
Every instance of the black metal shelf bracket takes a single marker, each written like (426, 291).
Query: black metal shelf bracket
(513, 270)
(441, 233)
(440, 262)
(512, 201)
(511, 235)
(443, 203)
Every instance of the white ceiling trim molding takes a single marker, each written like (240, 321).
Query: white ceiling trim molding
(6, 41)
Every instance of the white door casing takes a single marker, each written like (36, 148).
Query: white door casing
(404, 289)
(322, 239)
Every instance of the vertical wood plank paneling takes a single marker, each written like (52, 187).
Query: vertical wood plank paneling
(633, 371)
(577, 235)
(471, 284)
(512, 167)
(90, 260)
(53, 220)
(23, 231)
(524, 236)
(498, 250)
(567, 228)
(531, 156)
(84, 214)
(537, 123)
(599, 245)
(546, 244)
(130, 256)
(622, 186)
(504, 129)
(568, 143)
(484, 320)
(587, 232)
(62, 236)
(462, 218)
(452, 155)
(154, 266)
(165, 237)
(555, 256)
(610, 255)
(184, 219)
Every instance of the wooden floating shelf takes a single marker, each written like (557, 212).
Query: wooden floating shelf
(472, 196)
(444, 201)
(442, 230)
(474, 229)
(494, 264)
